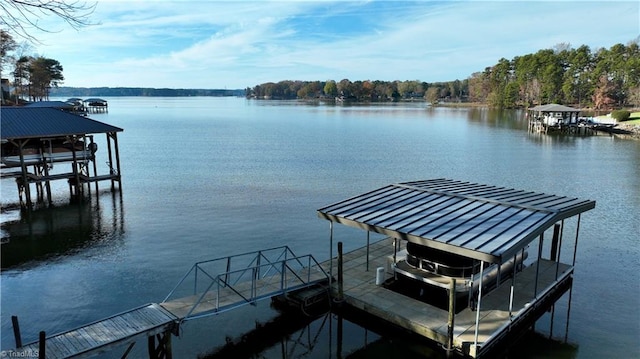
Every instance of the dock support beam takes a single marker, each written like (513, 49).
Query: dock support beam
(163, 350)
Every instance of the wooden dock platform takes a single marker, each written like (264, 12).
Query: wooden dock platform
(361, 291)
(225, 291)
(89, 339)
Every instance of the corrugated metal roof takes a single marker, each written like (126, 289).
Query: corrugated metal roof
(553, 107)
(25, 122)
(474, 220)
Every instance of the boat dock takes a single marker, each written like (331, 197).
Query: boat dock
(462, 292)
(479, 249)
(496, 318)
(36, 138)
(209, 288)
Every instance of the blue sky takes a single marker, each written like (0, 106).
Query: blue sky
(239, 44)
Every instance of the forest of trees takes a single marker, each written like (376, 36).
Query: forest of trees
(582, 77)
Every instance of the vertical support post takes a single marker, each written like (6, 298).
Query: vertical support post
(554, 242)
(368, 233)
(339, 346)
(566, 329)
(340, 274)
(395, 249)
(110, 156)
(330, 252)
(115, 142)
(535, 285)
(475, 340)
(513, 282)
(553, 312)
(575, 244)
(16, 331)
(25, 181)
(559, 250)
(284, 275)
(163, 349)
(151, 346)
(452, 314)
(42, 345)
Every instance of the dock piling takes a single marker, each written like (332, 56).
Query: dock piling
(340, 273)
(42, 347)
(452, 313)
(16, 331)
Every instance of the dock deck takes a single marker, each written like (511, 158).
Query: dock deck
(360, 291)
(222, 292)
(85, 341)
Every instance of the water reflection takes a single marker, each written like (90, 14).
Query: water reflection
(34, 237)
(511, 119)
(354, 335)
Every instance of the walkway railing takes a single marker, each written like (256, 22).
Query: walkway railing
(217, 285)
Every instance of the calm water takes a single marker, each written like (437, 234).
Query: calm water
(208, 177)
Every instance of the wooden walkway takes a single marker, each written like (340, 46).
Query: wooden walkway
(98, 336)
(152, 319)
(227, 298)
(360, 291)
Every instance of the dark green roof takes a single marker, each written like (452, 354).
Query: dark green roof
(25, 122)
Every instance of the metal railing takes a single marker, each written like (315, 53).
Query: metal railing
(225, 283)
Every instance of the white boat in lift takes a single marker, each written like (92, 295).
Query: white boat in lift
(430, 271)
(49, 152)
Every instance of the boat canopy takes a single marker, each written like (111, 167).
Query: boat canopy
(478, 221)
(553, 107)
(45, 122)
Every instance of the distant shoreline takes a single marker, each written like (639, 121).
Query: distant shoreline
(141, 92)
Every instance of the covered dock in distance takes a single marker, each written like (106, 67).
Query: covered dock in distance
(96, 105)
(33, 139)
(485, 224)
(555, 117)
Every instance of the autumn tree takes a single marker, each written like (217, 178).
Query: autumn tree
(330, 88)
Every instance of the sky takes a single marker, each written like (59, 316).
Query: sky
(237, 44)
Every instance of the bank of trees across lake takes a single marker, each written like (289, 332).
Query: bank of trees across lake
(602, 78)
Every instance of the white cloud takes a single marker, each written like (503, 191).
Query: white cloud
(216, 44)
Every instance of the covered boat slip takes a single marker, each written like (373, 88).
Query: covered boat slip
(486, 224)
(34, 138)
(496, 316)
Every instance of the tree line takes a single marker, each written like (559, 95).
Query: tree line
(602, 78)
(64, 91)
(33, 76)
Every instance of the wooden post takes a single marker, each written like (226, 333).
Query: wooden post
(16, 331)
(452, 314)
(42, 346)
(151, 346)
(340, 274)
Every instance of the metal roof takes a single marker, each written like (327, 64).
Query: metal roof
(474, 220)
(553, 107)
(52, 104)
(26, 122)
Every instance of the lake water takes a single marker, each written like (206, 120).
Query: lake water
(209, 177)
